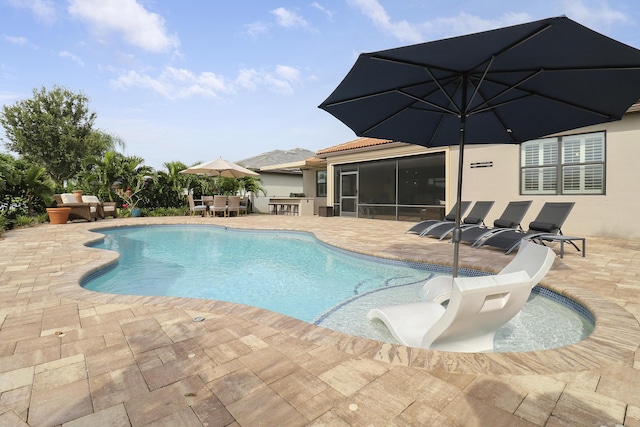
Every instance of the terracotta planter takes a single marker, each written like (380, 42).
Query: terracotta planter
(78, 195)
(58, 215)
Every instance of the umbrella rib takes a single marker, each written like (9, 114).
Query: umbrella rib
(424, 101)
(487, 102)
(437, 82)
(374, 94)
(529, 93)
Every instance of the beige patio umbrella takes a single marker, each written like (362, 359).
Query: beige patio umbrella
(220, 167)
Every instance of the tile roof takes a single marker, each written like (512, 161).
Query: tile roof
(276, 157)
(356, 143)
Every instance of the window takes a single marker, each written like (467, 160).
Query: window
(566, 165)
(321, 183)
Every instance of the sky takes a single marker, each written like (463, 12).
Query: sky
(194, 80)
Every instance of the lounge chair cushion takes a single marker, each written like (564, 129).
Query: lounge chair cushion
(502, 223)
(543, 226)
(68, 198)
(472, 220)
(91, 199)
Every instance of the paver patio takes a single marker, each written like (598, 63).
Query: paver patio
(73, 357)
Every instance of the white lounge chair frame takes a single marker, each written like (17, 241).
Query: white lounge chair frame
(535, 259)
(479, 306)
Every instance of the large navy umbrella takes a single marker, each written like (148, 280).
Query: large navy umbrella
(507, 85)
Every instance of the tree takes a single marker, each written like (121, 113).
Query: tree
(54, 129)
(112, 174)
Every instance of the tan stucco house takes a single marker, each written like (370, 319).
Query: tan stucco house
(596, 167)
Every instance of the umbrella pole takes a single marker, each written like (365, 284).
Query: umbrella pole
(457, 231)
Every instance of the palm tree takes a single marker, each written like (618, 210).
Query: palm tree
(37, 185)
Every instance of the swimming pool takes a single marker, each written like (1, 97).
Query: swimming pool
(294, 274)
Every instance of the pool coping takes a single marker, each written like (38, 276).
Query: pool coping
(613, 341)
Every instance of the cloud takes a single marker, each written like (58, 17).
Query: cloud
(322, 9)
(282, 80)
(16, 40)
(462, 23)
(179, 83)
(402, 30)
(136, 25)
(175, 83)
(257, 28)
(288, 19)
(44, 10)
(71, 56)
(599, 16)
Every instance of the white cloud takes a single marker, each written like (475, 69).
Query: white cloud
(16, 40)
(257, 28)
(133, 22)
(288, 19)
(464, 23)
(288, 73)
(405, 31)
(175, 83)
(178, 83)
(322, 9)
(599, 16)
(44, 10)
(71, 56)
(282, 80)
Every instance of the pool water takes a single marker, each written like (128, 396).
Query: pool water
(294, 274)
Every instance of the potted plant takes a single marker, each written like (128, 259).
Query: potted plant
(58, 215)
(131, 196)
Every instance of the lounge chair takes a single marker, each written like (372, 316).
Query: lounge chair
(244, 203)
(510, 219)
(105, 209)
(219, 205)
(233, 205)
(476, 217)
(535, 259)
(78, 210)
(478, 307)
(193, 208)
(424, 226)
(549, 221)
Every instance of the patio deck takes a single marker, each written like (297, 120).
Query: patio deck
(73, 357)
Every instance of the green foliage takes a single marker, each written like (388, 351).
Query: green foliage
(109, 178)
(4, 223)
(180, 211)
(25, 189)
(252, 184)
(53, 129)
(25, 221)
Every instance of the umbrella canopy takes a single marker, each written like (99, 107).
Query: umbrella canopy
(220, 167)
(507, 85)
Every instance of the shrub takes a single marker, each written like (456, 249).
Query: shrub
(25, 221)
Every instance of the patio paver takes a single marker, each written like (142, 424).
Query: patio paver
(73, 357)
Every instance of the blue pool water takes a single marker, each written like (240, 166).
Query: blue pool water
(294, 274)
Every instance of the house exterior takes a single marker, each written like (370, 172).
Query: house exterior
(280, 181)
(595, 167)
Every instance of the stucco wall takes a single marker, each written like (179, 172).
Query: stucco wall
(613, 214)
(276, 185)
